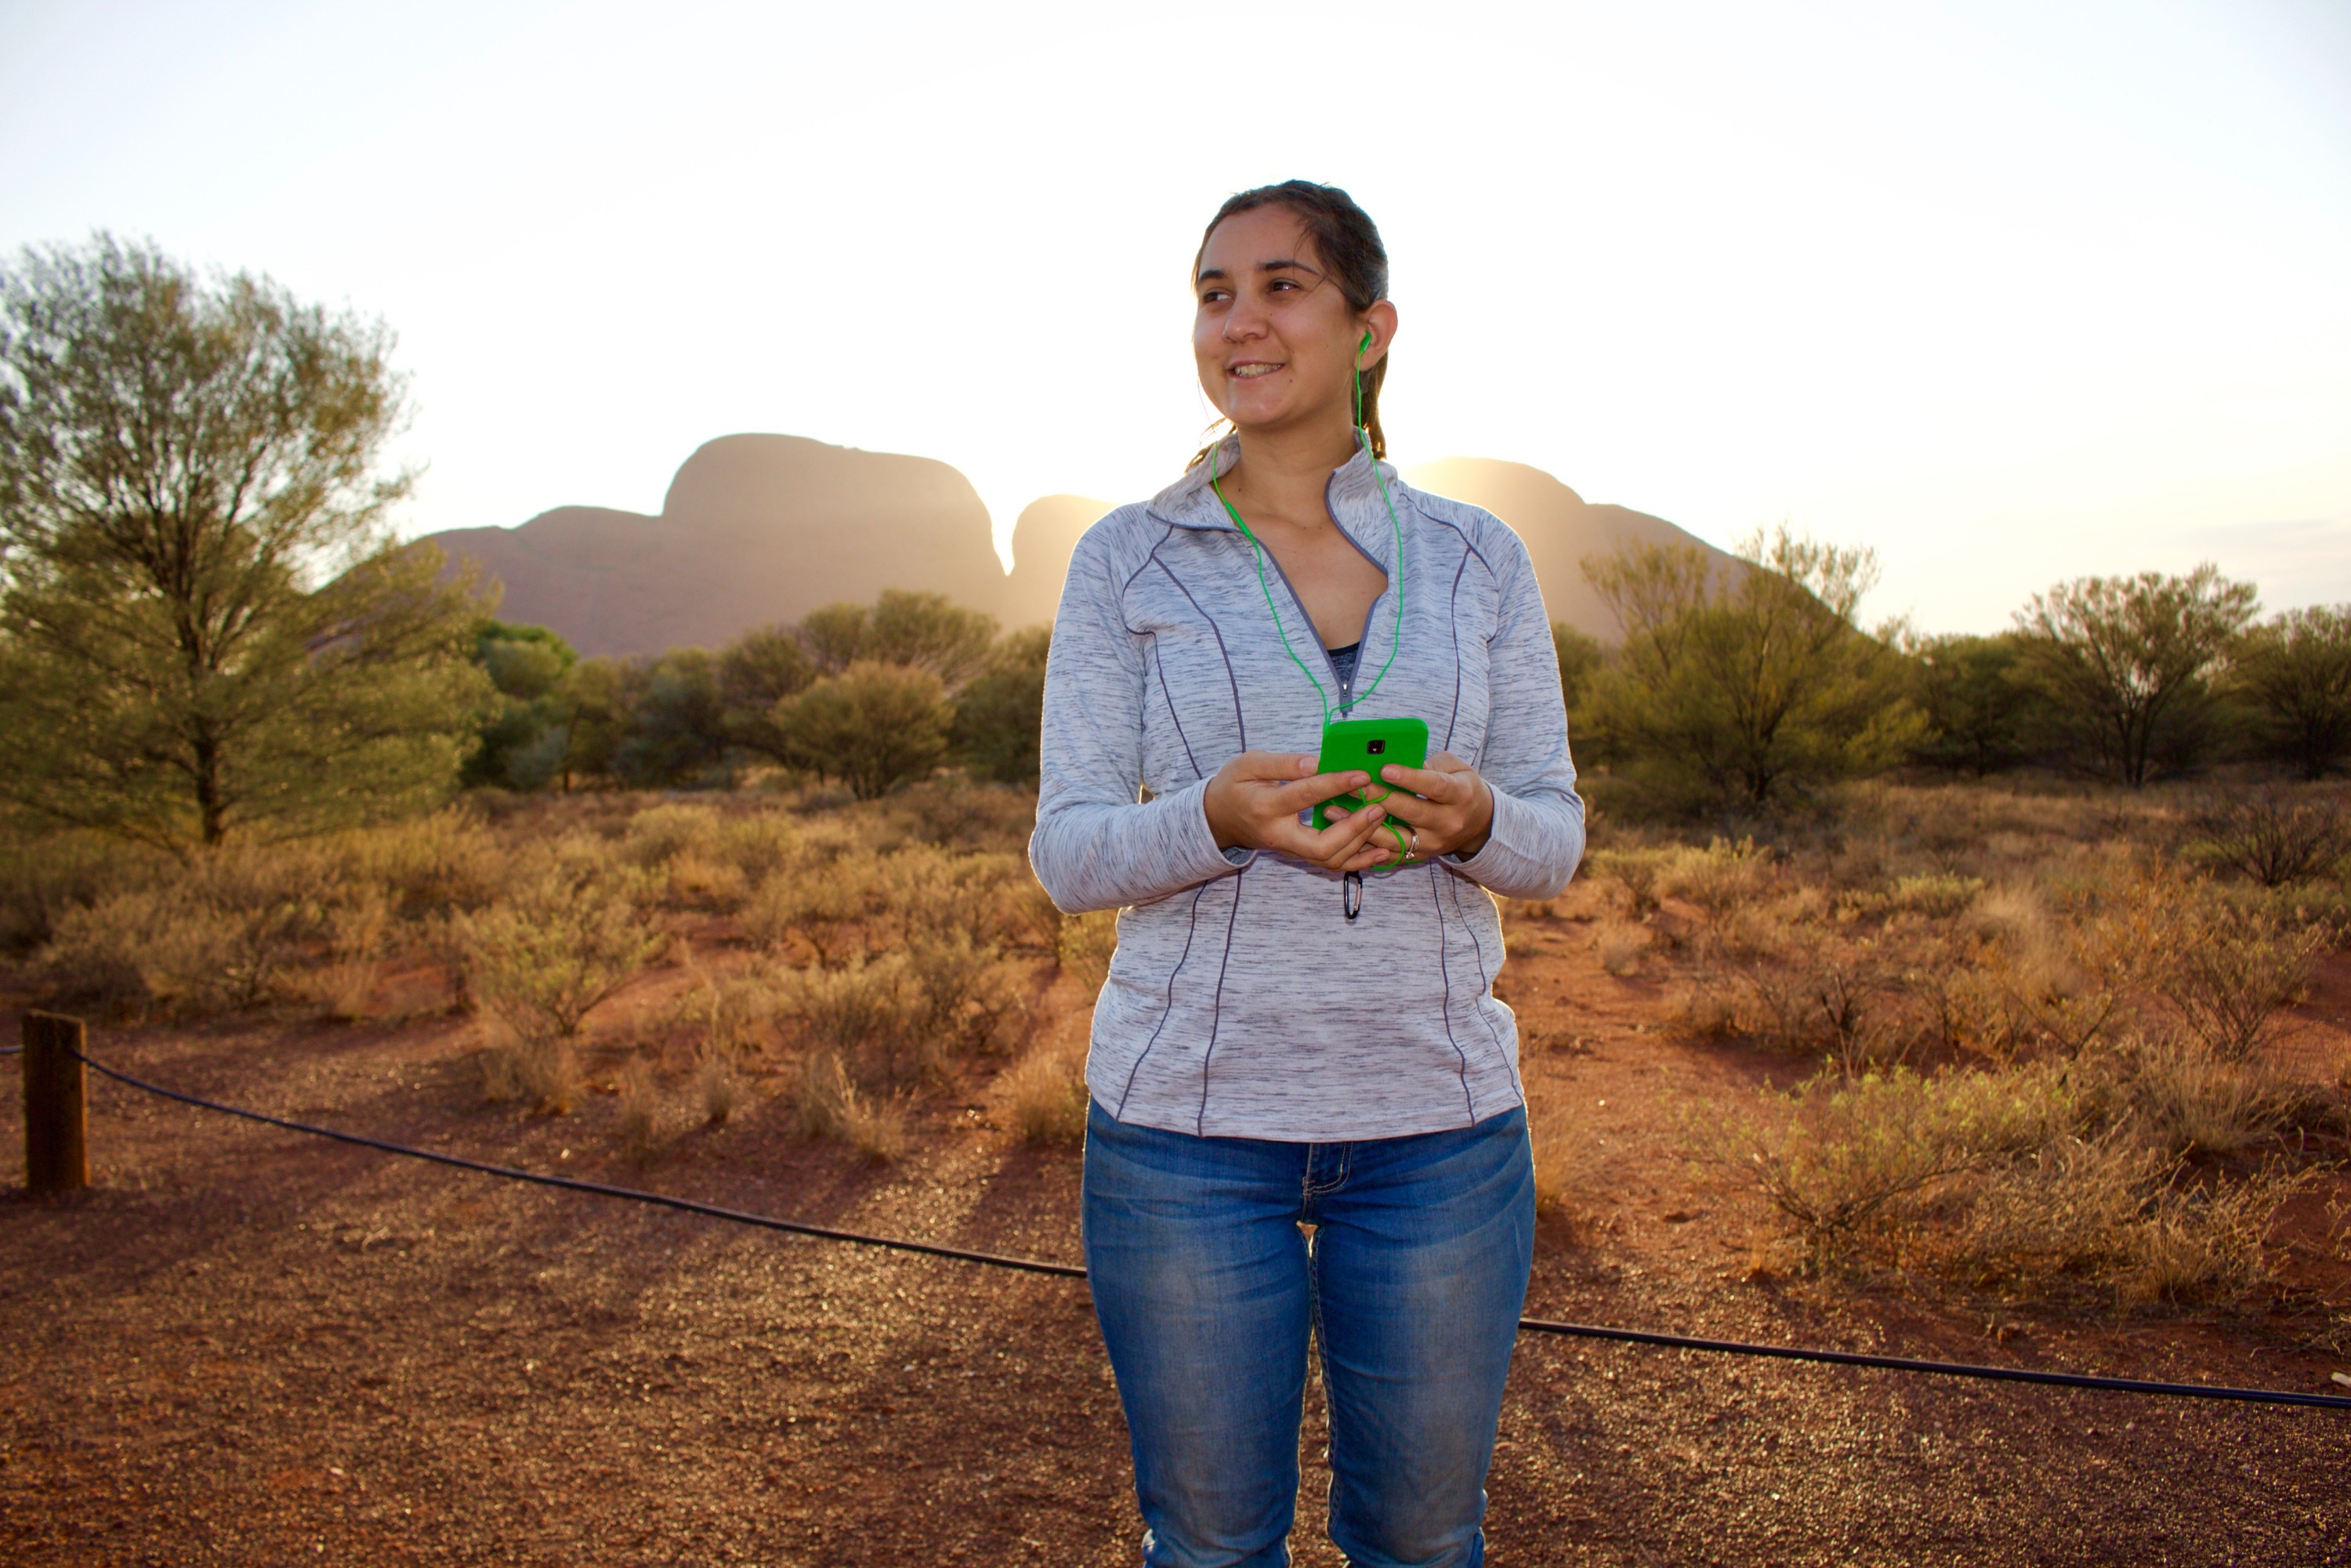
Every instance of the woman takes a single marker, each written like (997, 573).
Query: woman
(1299, 1029)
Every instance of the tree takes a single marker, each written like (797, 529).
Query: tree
(1973, 700)
(2296, 672)
(204, 627)
(1737, 689)
(1580, 658)
(522, 742)
(757, 671)
(2127, 663)
(922, 631)
(677, 727)
(999, 716)
(601, 695)
(874, 726)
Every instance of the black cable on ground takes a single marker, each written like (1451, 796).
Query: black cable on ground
(1072, 1271)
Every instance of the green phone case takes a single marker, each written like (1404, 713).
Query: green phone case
(1367, 745)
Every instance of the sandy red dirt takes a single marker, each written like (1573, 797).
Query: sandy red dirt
(245, 1346)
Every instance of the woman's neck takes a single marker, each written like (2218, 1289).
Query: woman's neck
(1284, 472)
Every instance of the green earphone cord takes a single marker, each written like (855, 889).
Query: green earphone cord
(1395, 638)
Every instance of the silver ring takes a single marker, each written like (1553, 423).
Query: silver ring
(1416, 843)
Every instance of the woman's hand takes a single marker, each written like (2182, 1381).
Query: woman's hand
(1254, 801)
(1447, 808)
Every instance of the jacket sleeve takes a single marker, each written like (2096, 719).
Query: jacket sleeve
(1095, 846)
(1537, 839)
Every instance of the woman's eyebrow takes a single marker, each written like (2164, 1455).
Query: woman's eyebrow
(1280, 263)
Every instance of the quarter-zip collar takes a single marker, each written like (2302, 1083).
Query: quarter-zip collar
(1351, 496)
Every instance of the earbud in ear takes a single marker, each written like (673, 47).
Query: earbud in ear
(1365, 345)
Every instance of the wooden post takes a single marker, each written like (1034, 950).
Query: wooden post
(57, 1120)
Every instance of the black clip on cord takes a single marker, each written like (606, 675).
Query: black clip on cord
(1351, 894)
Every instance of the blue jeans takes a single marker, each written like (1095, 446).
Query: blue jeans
(1207, 1290)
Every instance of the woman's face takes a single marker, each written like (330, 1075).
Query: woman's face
(1275, 338)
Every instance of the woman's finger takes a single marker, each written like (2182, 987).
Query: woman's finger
(1308, 792)
(1431, 783)
(1334, 846)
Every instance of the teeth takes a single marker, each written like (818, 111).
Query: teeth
(1253, 371)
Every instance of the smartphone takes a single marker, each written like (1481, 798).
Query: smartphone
(1368, 744)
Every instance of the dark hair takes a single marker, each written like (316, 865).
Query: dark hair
(1348, 244)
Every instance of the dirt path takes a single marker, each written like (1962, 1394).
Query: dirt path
(245, 1347)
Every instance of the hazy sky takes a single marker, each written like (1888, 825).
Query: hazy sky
(2012, 292)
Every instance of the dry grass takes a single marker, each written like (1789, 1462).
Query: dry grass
(640, 1111)
(1620, 946)
(717, 1087)
(827, 1103)
(1044, 1096)
(1567, 1162)
(542, 1070)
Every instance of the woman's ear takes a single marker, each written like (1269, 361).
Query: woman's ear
(1379, 325)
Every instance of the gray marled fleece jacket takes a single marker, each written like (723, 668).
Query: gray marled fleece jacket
(1240, 1002)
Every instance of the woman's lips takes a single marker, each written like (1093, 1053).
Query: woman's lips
(1252, 371)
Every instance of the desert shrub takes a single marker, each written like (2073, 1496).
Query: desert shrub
(659, 834)
(1028, 918)
(569, 934)
(1637, 872)
(2065, 1208)
(233, 929)
(541, 1068)
(141, 948)
(967, 994)
(1834, 1156)
(1719, 878)
(357, 934)
(923, 890)
(44, 873)
(2273, 836)
(1045, 1097)
(691, 882)
(827, 1103)
(1085, 946)
(2062, 984)
(868, 1015)
(956, 813)
(759, 844)
(818, 904)
(2202, 1244)
(2009, 1179)
(2322, 908)
(1808, 991)
(428, 865)
(1936, 894)
(2232, 977)
(2184, 1100)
